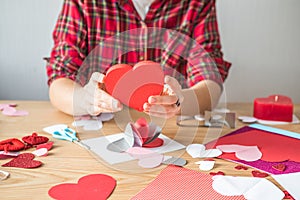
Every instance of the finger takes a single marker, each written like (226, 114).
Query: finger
(175, 86)
(97, 77)
(160, 115)
(95, 110)
(164, 99)
(160, 108)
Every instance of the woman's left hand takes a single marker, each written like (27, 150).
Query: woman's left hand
(166, 105)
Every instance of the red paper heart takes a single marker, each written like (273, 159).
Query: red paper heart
(155, 143)
(34, 139)
(134, 85)
(92, 187)
(12, 144)
(259, 174)
(274, 107)
(24, 160)
(142, 127)
(217, 173)
(280, 167)
(287, 195)
(48, 146)
(239, 167)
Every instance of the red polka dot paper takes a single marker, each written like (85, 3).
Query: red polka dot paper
(180, 183)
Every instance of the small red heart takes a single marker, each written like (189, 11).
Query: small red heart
(280, 167)
(34, 139)
(134, 85)
(24, 160)
(259, 174)
(12, 144)
(157, 142)
(239, 167)
(48, 146)
(209, 159)
(92, 187)
(287, 195)
(217, 173)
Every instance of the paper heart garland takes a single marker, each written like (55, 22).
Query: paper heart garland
(12, 144)
(91, 187)
(24, 160)
(247, 153)
(34, 139)
(199, 151)
(147, 158)
(251, 188)
(134, 85)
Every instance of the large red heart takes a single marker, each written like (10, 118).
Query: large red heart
(12, 144)
(92, 187)
(134, 85)
(24, 160)
(274, 107)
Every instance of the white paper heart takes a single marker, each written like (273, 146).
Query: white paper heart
(247, 153)
(198, 151)
(206, 165)
(3, 175)
(251, 188)
(40, 152)
(147, 158)
(88, 125)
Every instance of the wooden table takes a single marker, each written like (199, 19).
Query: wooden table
(68, 162)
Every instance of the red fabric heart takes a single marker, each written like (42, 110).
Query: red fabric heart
(92, 187)
(12, 144)
(239, 167)
(134, 85)
(259, 174)
(48, 146)
(24, 160)
(280, 167)
(217, 173)
(34, 139)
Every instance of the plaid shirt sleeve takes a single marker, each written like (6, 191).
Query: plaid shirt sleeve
(69, 38)
(206, 33)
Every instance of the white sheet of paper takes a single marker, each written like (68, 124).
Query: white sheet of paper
(290, 182)
(98, 146)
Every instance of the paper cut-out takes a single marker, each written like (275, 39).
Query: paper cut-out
(247, 153)
(24, 160)
(290, 182)
(206, 165)
(148, 79)
(147, 158)
(91, 187)
(9, 110)
(92, 123)
(199, 151)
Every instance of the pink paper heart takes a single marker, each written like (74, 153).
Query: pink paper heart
(247, 153)
(10, 111)
(147, 158)
(92, 187)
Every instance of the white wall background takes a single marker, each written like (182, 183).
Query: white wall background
(260, 37)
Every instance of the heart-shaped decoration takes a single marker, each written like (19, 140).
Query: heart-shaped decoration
(92, 187)
(34, 139)
(217, 173)
(24, 160)
(239, 167)
(147, 158)
(40, 152)
(199, 151)
(134, 85)
(259, 174)
(274, 107)
(12, 144)
(280, 167)
(247, 153)
(249, 187)
(206, 165)
(47, 145)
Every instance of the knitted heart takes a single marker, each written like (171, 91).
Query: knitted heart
(259, 174)
(92, 187)
(12, 144)
(134, 85)
(34, 139)
(24, 160)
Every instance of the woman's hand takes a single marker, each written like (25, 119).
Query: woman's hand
(166, 105)
(94, 100)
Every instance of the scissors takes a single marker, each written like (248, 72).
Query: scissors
(69, 135)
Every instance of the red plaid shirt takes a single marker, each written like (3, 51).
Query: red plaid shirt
(83, 24)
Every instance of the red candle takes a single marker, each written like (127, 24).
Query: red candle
(274, 107)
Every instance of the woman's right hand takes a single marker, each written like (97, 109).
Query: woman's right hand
(94, 99)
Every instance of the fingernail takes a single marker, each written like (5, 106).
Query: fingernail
(152, 100)
(116, 104)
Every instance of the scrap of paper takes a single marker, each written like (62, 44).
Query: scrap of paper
(9, 110)
(290, 182)
(147, 158)
(181, 183)
(99, 147)
(92, 187)
(250, 187)
(248, 119)
(247, 153)
(3, 175)
(199, 151)
(90, 123)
